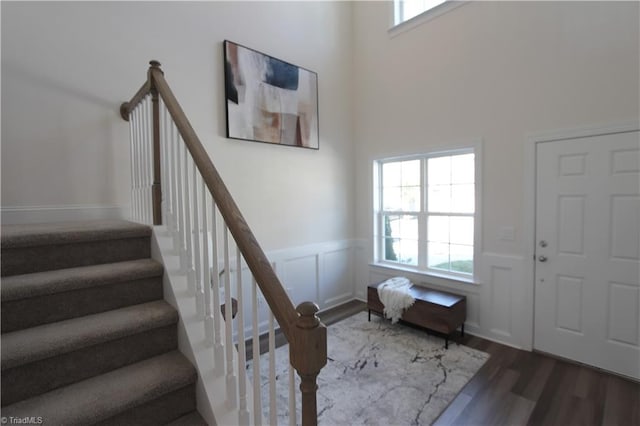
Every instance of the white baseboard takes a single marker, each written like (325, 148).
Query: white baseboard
(481, 335)
(66, 213)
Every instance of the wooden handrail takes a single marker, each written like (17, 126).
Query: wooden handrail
(127, 107)
(272, 289)
(303, 330)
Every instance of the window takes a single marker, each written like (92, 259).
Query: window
(407, 9)
(407, 14)
(426, 212)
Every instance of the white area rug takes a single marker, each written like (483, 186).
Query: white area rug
(378, 374)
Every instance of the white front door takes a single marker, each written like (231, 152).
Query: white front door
(587, 274)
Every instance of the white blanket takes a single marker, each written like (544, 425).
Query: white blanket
(394, 295)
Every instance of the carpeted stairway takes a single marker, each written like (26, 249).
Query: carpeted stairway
(86, 335)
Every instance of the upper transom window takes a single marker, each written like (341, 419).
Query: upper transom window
(407, 9)
(407, 14)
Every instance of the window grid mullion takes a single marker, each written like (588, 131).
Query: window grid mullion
(423, 245)
(422, 240)
(450, 214)
(401, 213)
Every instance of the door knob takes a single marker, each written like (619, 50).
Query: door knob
(542, 258)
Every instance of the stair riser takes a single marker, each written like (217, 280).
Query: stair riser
(191, 419)
(34, 311)
(159, 411)
(42, 376)
(23, 260)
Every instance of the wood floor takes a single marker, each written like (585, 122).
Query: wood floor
(516, 387)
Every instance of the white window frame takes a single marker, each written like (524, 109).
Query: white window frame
(378, 213)
(396, 27)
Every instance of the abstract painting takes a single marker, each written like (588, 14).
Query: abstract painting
(269, 100)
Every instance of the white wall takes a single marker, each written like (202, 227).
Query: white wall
(66, 67)
(495, 71)
(491, 71)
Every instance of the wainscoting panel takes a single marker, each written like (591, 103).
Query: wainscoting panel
(336, 281)
(473, 311)
(361, 253)
(506, 313)
(321, 273)
(500, 282)
(299, 276)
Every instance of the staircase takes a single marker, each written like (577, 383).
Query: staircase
(86, 335)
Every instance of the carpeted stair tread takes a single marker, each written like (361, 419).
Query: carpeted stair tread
(46, 247)
(32, 344)
(61, 280)
(191, 419)
(63, 294)
(107, 395)
(14, 236)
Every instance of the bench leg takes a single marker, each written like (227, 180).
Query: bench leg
(446, 342)
(369, 315)
(462, 330)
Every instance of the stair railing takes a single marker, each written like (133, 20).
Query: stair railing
(175, 183)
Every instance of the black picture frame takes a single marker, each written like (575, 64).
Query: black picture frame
(269, 100)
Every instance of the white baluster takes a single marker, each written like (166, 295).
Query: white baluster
(161, 147)
(197, 254)
(134, 165)
(139, 161)
(218, 348)
(206, 271)
(273, 413)
(150, 161)
(292, 396)
(243, 412)
(232, 396)
(131, 157)
(145, 161)
(164, 174)
(175, 228)
(191, 276)
(181, 213)
(139, 200)
(257, 392)
(170, 183)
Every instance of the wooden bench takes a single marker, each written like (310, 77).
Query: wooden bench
(435, 310)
